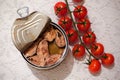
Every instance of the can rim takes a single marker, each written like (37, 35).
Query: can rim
(62, 57)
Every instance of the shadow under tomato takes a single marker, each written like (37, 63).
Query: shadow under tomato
(75, 42)
(109, 67)
(98, 73)
(58, 73)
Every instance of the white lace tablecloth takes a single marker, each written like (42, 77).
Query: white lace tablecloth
(105, 18)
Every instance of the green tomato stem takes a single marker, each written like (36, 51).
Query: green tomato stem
(79, 36)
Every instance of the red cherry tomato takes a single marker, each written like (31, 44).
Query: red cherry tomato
(97, 49)
(60, 9)
(72, 35)
(107, 59)
(77, 1)
(78, 51)
(83, 25)
(65, 22)
(94, 66)
(89, 38)
(80, 12)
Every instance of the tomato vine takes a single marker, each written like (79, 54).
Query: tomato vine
(74, 25)
(96, 50)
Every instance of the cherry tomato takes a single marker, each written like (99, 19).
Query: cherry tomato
(77, 1)
(94, 66)
(107, 59)
(80, 12)
(72, 35)
(78, 51)
(60, 9)
(89, 38)
(97, 49)
(83, 25)
(65, 22)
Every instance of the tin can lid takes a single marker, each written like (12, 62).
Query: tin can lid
(27, 29)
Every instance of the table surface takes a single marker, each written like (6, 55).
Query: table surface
(105, 18)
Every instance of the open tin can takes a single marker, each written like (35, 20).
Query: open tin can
(30, 29)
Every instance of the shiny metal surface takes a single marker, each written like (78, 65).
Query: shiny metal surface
(63, 55)
(27, 29)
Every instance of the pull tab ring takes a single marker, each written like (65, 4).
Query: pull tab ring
(23, 12)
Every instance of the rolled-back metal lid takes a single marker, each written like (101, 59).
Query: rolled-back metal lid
(27, 29)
